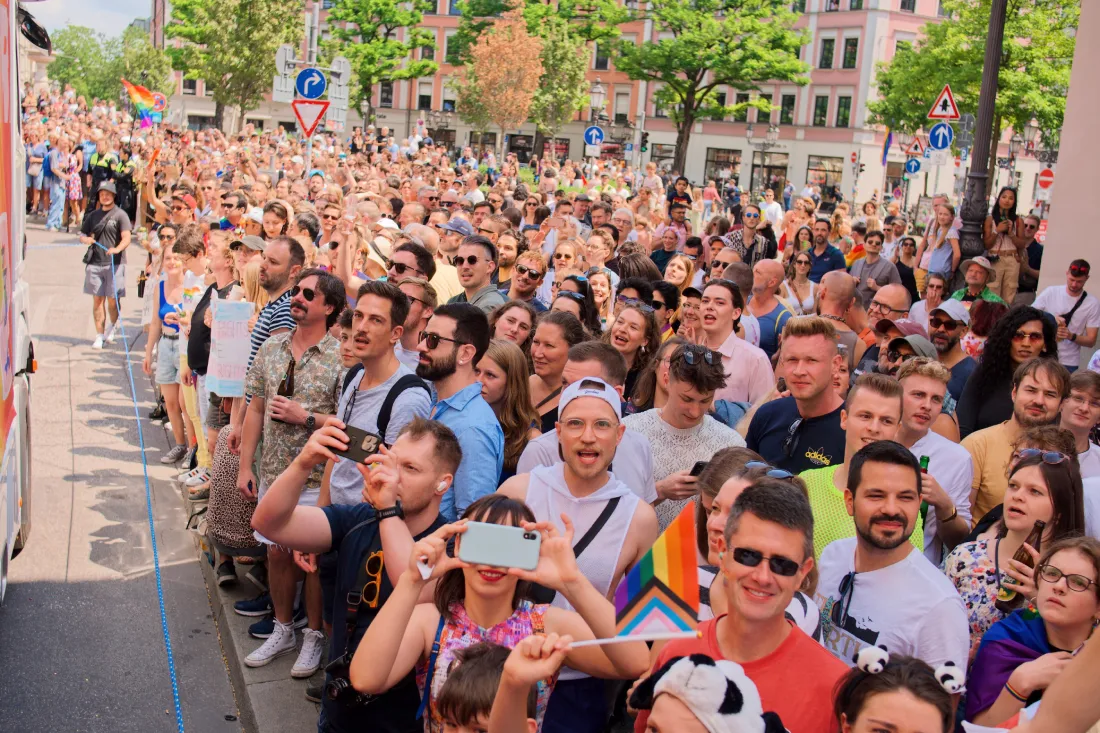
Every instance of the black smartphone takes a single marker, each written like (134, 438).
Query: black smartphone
(781, 385)
(698, 467)
(361, 444)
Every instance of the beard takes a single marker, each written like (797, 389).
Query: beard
(1031, 421)
(943, 347)
(439, 369)
(879, 541)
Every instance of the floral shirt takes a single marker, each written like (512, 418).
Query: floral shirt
(972, 568)
(317, 381)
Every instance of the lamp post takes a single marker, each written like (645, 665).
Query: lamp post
(1015, 144)
(771, 140)
(596, 96)
(975, 205)
(1049, 153)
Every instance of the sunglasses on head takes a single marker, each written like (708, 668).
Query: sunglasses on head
(778, 564)
(635, 303)
(308, 293)
(459, 260)
(693, 353)
(946, 323)
(570, 294)
(433, 339)
(772, 471)
(1050, 457)
(528, 272)
(1078, 270)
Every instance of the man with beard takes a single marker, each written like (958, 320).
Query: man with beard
(1038, 388)
(872, 271)
(824, 257)
(747, 242)
(875, 588)
(507, 242)
(294, 383)
(476, 262)
(524, 284)
(891, 303)
(451, 345)
(947, 324)
(614, 525)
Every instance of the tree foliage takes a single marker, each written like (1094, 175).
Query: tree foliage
(366, 33)
(705, 45)
(562, 88)
(1032, 81)
(93, 63)
(231, 45)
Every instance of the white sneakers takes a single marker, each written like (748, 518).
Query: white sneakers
(279, 643)
(309, 659)
(199, 477)
(98, 343)
(112, 332)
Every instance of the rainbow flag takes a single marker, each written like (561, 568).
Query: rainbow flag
(143, 102)
(886, 145)
(659, 597)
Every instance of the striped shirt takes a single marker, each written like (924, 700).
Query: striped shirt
(274, 316)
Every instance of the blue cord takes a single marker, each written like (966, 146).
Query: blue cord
(148, 503)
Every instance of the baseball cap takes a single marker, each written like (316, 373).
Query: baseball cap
(387, 223)
(920, 345)
(905, 325)
(109, 187)
(297, 159)
(591, 387)
(256, 214)
(187, 199)
(316, 172)
(955, 309)
(691, 292)
(249, 240)
(459, 226)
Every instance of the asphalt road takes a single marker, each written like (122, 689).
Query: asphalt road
(81, 641)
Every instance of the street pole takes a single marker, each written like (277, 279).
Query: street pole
(975, 205)
(313, 23)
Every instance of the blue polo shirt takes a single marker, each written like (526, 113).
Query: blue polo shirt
(475, 424)
(831, 259)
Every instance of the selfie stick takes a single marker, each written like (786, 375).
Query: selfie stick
(640, 637)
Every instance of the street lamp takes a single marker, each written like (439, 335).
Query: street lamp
(596, 96)
(1014, 144)
(1031, 133)
(1049, 153)
(771, 139)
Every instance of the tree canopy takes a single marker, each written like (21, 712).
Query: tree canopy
(93, 63)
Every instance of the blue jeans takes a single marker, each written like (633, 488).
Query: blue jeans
(57, 202)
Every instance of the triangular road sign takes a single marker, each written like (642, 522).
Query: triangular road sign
(944, 108)
(309, 112)
(916, 147)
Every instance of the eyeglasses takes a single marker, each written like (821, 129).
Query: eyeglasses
(179, 208)
(1074, 582)
(486, 232)
(778, 564)
(529, 272)
(1050, 457)
(1079, 270)
(839, 612)
(400, 268)
(790, 445)
(328, 217)
(432, 198)
(308, 293)
(805, 263)
(433, 339)
(1032, 336)
(659, 304)
(1082, 401)
(772, 471)
(562, 256)
(602, 428)
(692, 353)
(459, 260)
(944, 323)
(883, 308)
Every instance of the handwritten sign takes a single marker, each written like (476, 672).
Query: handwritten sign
(229, 348)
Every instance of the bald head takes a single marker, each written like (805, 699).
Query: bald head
(425, 234)
(766, 276)
(836, 292)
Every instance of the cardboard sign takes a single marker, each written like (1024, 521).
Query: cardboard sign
(229, 347)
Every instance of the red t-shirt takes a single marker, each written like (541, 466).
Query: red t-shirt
(796, 681)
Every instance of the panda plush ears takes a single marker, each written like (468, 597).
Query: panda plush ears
(719, 693)
(873, 659)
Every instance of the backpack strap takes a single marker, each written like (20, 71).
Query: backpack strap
(352, 374)
(594, 530)
(408, 381)
(427, 696)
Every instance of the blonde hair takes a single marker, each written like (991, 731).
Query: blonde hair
(516, 413)
(803, 326)
(922, 366)
(250, 281)
(688, 265)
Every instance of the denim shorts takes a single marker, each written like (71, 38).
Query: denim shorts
(36, 182)
(168, 361)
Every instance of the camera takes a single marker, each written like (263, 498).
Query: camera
(339, 688)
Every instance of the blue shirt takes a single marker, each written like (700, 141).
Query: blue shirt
(771, 327)
(482, 441)
(816, 442)
(831, 259)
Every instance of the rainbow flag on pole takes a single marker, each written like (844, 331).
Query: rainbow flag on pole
(886, 145)
(659, 597)
(143, 102)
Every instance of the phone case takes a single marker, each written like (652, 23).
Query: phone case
(361, 444)
(499, 546)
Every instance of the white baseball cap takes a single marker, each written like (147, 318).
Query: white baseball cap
(591, 387)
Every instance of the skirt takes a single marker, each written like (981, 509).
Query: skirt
(229, 518)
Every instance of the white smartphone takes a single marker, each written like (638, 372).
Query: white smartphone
(500, 546)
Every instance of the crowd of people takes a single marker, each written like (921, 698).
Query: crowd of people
(890, 455)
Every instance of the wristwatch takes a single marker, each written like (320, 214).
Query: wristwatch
(394, 511)
(1073, 337)
(311, 421)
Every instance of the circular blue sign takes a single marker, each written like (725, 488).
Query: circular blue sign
(941, 136)
(310, 83)
(593, 135)
(912, 166)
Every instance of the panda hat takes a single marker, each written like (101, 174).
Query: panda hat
(718, 693)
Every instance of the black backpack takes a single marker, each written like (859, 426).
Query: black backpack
(409, 381)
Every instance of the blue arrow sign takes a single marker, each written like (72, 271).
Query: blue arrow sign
(593, 135)
(310, 83)
(912, 166)
(941, 136)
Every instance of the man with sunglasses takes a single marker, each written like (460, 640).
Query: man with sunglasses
(747, 242)
(234, 205)
(872, 271)
(947, 324)
(422, 303)
(889, 305)
(410, 260)
(769, 552)
(527, 275)
(476, 262)
(875, 588)
(1030, 262)
(1076, 312)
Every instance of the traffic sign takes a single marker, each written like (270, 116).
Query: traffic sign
(160, 102)
(591, 151)
(310, 83)
(284, 60)
(967, 123)
(309, 112)
(853, 157)
(1046, 178)
(593, 135)
(927, 154)
(912, 166)
(282, 89)
(916, 147)
(628, 148)
(944, 108)
(939, 157)
(941, 136)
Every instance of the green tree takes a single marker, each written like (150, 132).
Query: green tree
(231, 46)
(562, 88)
(1032, 81)
(366, 33)
(709, 44)
(93, 63)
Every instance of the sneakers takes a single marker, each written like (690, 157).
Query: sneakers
(183, 477)
(200, 476)
(227, 573)
(258, 606)
(175, 455)
(314, 690)
(309, 658)
(112, 333)
(279, 643)
(98, 343)
(263, 628)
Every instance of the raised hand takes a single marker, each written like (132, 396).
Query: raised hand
(381, 479)
(536, 658)
(432, 552)
(557, 566)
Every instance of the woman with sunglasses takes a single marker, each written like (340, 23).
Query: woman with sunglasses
(1043, 486)
(514, 321)
(574, 296)
(1024, 653)
(905, 259)
(636, 335)
(566, 257)
(504, 385)
(798, 289)
(801, 241)
(530, 213)
(487, 603)
(1019, 335)
(554, 335)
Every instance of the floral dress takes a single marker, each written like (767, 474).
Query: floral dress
(972, 567)
(75, 193)
(463, 632)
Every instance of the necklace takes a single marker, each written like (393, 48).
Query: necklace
(831, 317)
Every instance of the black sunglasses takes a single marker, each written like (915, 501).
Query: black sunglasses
(839, 612)
(401, 268)
(692, 353)
(561, 256)
(776, 563)
(790, 445)
(433, 339)
(528, 272)
(308, 293)
(659, 304)
(459, 260)
(946, 323)
(894, 355)
(772, 471)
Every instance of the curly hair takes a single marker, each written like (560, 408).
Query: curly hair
(997, 366)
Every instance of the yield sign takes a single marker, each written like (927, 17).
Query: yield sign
(309, 112)
(916, 147)
(944, 108)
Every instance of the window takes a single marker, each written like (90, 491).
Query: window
(190, 86)
(851, 53)
(855, 5)
(450, 55)
(798, 6)
(622, 106)
(428, 53)
(908, 6)
(832, 6)
(828, 47)
(843, 111)
(719, 101)
(452, 8)
(200, 122)
(821, 111)
(448, 96)
(482, 141)
(603, 61)
(786, 110)
(743, 115)
(431, 8)
(722, 164)
(940, 12)
(824, 172)
(762, 116)
(662, 155)
(424, 95)
(385, 94)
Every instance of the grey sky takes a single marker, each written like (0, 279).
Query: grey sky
(106, 16)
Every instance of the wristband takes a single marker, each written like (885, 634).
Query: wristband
(954, 513)
(1018, 696)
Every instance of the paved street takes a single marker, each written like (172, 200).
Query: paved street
(81, 645)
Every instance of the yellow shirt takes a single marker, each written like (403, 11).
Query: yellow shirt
(445, 282)
(990, 450)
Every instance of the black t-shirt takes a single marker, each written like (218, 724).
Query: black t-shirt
(198, 343)
(107, 228)
(661, 258)
(816, 442)
(355, 534)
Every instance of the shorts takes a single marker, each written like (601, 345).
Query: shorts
(216, 418)
(98, 280)
(168, 361)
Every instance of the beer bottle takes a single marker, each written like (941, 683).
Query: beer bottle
(924, 461)
(286, 385)
(1009, 600)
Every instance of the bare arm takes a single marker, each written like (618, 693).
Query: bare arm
(279, 518)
